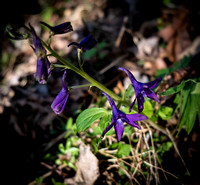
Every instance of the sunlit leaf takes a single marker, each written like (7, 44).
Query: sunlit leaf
(105, 120)
(165, 112)
(69, 123)
(88, 116)
(148, 109)
(124, 150)
(173, 90)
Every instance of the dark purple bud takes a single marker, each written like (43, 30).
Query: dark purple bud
(86, 44)
(39, 48)
(59, 29)
(43, 70)
(43, 64)
(60, 101)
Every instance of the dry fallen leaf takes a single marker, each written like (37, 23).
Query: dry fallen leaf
(87, 168)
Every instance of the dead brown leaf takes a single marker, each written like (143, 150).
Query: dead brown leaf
(87, 168)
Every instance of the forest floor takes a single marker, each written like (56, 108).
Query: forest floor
(148, 39)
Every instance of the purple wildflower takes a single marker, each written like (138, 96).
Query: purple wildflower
(60, 101)
(142, 90)
(43, 65)
(118, 119)
(59, 29)
(86, 44)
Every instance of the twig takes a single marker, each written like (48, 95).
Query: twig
(154, 154)
(116, 61)
(112, 156)
(121, 33)
(161, 169)
(43, 177)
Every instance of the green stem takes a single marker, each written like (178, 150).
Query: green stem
(79, 59)
(83, 74)
(79, 86)
(50, 35)
(58, 65)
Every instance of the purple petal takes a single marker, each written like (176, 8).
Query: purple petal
(112, 104)
(43, 70)
(150, 94)
(131, 106)
(108, 128)
(48, 66)
(140, 101)
(135, 117)
(59, 102)
(63, 80)
(136, 94)
(130, 75)
(119, 129)
(37, 43)
(152, 84)
(135, 125)
(88, 43)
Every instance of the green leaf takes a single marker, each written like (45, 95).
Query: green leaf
(113, 146)
(148, 109)
(39, 180)
(128, 129)
(166, 2)
(88, 116)
(124, 150)
(191, 115)
(173, 90)
(121, 171)
(97, 131)
(69, 123)
(196, 94)
(129, 92)
(89, 54)
(190, 106)
(165, 112)
(61, 148)
(105, 120)
(102, 45)
(178, 65)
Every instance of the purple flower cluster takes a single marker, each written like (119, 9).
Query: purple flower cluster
(142, 90)
(43, 65)
(118, 117)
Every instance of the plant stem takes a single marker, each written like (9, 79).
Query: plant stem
(83, 74)
(79, 59)
(79, 86)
